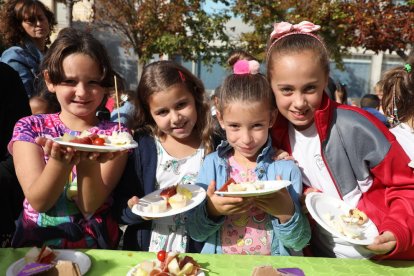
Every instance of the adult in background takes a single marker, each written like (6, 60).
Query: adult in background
(13, 106)
(371, 103)
(26, 26)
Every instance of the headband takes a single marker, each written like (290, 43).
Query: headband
(246, 67)
(284, 29)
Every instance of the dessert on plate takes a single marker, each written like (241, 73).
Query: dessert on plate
(350, 224)
(174, 197)
(87, 138)
(170, 263)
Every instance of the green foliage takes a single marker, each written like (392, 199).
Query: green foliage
(179, 27)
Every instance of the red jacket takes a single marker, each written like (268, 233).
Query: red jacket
(355, 145)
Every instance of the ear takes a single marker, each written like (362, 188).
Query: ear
(50, 86)
(220, 119)
(273, 116)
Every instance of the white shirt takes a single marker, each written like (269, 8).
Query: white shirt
(306, 149)
(169, 233)
(405, 137)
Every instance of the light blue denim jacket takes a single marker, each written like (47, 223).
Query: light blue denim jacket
(294, 234)
(25, 61)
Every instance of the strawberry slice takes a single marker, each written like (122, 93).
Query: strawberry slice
(168, 192)
(224, 187)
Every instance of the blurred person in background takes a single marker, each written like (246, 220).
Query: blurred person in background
(371, 103)
(13, 106)
(26, 26)
(398, 104)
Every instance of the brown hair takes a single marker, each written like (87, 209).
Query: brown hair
(72, 41)
(238, 55)
(297, 43)
(14, 12)
(160, 76)
(245, 87)
(398, 92)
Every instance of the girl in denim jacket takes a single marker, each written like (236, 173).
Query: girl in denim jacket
(270, 224)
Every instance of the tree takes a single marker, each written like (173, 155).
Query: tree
(166, 27)
(370, 24)
(380, 25)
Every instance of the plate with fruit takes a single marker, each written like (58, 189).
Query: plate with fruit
(117, 141)
(248, 189)
(171, 263)
(39, 260)
(170, 201)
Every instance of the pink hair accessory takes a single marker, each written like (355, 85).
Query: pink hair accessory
(246, 67)
(283, 29)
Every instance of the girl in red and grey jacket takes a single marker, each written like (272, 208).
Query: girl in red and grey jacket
(342, 151)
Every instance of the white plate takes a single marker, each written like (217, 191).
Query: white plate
(80, 258)
(132, 270)
(94, 148)
(199, 194)
(319, 205)
(270, 186)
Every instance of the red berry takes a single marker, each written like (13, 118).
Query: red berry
(99, 141)
(161, 255)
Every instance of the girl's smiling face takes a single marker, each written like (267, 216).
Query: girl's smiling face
(80, 93)
(174, 111)
(247, 127)
(298, 82)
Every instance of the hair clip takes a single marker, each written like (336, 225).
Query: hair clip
(182, 77)
(407, 67)
(246, 67)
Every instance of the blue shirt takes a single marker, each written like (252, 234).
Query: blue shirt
(25, 60)
(377, 114)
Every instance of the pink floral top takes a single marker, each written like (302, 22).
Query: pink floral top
(63, 226)
(249, 233)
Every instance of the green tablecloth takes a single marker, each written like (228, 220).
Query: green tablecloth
(114, 262)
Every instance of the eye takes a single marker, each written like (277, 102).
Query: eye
(68, 82)
(162, 112)
(258, 126)
(233, 126)
(286, 90)
(95, 82)
(310, 89)
(181, 105)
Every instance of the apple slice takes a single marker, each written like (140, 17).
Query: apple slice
(187, 269)
(173, 266)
